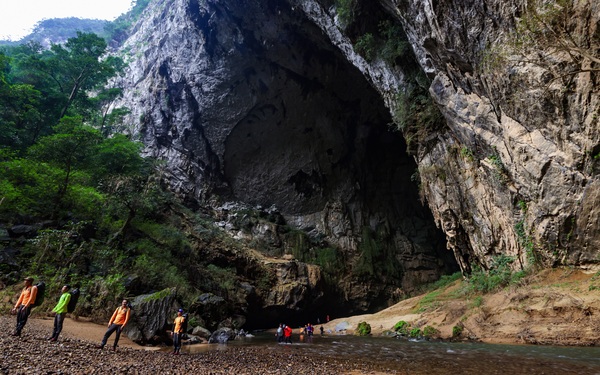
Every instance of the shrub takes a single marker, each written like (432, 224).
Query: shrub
(457, 331)
(429, 331)
(415, 332)
(401, 327)
(365, 45)
(363, 329)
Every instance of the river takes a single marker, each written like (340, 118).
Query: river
(429, 357)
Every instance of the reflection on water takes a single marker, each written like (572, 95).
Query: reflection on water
(424, 357)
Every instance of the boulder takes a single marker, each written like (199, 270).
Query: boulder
(151, 316)
(222, 336)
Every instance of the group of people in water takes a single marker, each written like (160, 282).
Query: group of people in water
(284, 333)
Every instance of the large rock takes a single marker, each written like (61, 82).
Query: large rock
(151, 316)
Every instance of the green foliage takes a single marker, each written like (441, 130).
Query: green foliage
(401, 327)
(430, 331)
(363, 329)
(366, 46)
(415, 333)
(467, 153)
(500, 172)
(499, 275)
(457, 331)
(415, 113)
(224, 276)
(429, 301)
(347, 10)
(526, 242)
(395, 44)
(118, 30)
(477, 301)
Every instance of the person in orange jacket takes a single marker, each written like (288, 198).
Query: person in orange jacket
(117, 322)
(178, 331)
(23, 306)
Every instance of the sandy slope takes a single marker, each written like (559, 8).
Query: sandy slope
(554, 307)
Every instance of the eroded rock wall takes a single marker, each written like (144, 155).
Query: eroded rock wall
(516, 170)
(249, 103)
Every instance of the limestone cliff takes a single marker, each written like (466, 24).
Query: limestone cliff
(515, 170)
(269, 104)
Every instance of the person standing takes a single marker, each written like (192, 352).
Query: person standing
(178, 331)
(23, 306)
(279, 333)
(116, 324)
(61, 311)
(287, 333)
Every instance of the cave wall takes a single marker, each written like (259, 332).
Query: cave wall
(515, 172)
(249, 103)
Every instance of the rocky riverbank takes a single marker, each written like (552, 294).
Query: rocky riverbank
(33, 354)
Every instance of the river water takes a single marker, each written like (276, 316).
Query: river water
(427, 357)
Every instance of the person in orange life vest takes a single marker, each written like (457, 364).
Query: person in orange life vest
(287, 334)
(117, 322)
(23, 306)
(178, 331)
(61, 311)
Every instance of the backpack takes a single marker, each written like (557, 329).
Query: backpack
(41, 291)
(73, 301)
(184, 324)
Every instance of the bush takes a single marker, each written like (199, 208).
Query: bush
(415, 333)
(457, 331)
(366, 46)
(363, 329)
(401, 327)
(429, 331)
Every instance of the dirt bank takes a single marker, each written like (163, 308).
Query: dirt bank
(554, 307)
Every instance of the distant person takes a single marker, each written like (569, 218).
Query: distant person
(322, 331)
(309, 329)
(23, 306)
(287, 334)
(117, 322)
(279, 333)
(61, 310)
(178, 331)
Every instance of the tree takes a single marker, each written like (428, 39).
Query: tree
(71, 147)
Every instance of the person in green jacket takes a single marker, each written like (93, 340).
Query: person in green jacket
(61, 311)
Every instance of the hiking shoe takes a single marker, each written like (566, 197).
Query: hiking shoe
(100, 347)
(53, 339)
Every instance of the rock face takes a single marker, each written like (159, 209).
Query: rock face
(515, 172)
(252, 103)
(268, 104)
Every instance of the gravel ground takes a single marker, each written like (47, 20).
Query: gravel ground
(33, 354)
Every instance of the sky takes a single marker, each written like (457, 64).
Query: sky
(18, 17)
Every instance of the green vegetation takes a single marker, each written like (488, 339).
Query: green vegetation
(429, 331)
(415, 113)
(499, 275)
(415, 333)
(119, 28)
(363, 329)
(347, 10)
(375, 259)
(104, 220)
(467, 153)
(401, 327)
(366, 46)
(457, 331)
